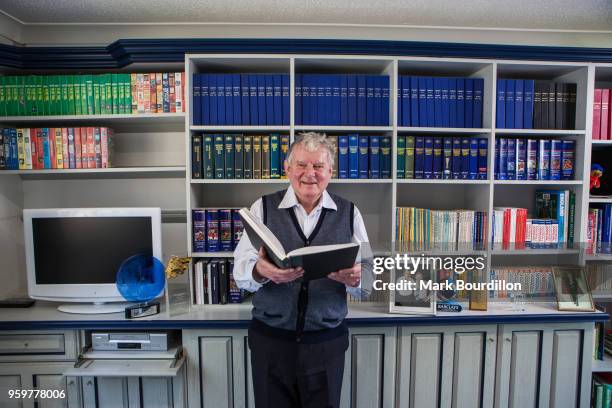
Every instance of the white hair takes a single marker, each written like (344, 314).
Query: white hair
(312, 141)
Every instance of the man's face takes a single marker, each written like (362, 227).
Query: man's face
(309, 173)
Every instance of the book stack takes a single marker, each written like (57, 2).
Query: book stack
(601, 115)
(216, 230)
(429, 157)
(55, 148)
(214, 283)
(529, 104)
(602, 390)
(238, 156)
(102, 94)
(450, 229)
(536, 281)
(440, 102)
(361, 156)
(241, 99)
(533, 159)
(344, 100)
(599, 229)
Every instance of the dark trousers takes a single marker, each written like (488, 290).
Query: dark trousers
(288, 374)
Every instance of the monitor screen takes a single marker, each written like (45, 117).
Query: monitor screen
(87, 250)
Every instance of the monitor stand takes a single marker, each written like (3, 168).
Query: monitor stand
(96, 308)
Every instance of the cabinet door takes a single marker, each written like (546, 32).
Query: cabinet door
(441, 367)
(9, 382)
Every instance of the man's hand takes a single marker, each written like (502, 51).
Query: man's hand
(266, 269)
(350, 276)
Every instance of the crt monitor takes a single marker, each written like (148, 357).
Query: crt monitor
(73, 254)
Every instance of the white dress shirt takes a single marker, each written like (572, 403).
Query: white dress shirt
(245, 255)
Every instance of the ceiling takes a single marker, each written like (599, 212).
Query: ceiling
(563, 15)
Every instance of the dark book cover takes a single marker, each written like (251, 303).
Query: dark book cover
(401, 157)
(437, 157)
(428, 157)
(212, 231)
(265, 157)
(363, 156)
(419, 157)
(374, 157)
(223, 281)
(275, 163)
(385, 157)
(247, 146)
(483, 158)
(196, 157)
(219, 156)
(343, 157)
(237, 228)
(199, 230)
(229, 156)
(208, 161)
(257, 157)
(238, 157)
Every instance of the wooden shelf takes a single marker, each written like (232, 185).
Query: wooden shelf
(107, 173)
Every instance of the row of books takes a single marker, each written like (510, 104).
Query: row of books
(216, 230)
(536, 281)
(599, 229)
(602, 384)
(446, 227)
(534, 159)
(55, 148)
(431, 157)
(361, 156)
(601, 115)
(214, 284)
(346, 100)
(102, 94)
(440, 102)
(529, 104)
(241, 99)
(238, 156)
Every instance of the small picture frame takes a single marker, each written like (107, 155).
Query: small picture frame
(572, 289)
(413, 299)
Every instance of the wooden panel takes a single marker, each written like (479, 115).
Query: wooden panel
(467, 369)
(156, 392)
(112, 392)
(367, 370)
(216, 372)
(425, 370)
(9, 382)
(524, 369)
(51, 382)
(565, 373)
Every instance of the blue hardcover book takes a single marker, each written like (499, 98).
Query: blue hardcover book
(245, 109)
(344, 115)
(483, 158)
(465, 158)
(452, 102)
(473, 160)
(447, 163)
(364, 171)
(406, 100)
(428, 157)
(336, 100)
(253, 100)
(460, 102)
(353, 156)
(229, 99)
(229, 156)
(306, 100)
(236, 100)
(204, 100)
(385, 100)
(321, 103)
(556, 149)
(316, 95)
(362, 100)
(370, 118)
(238, 157)
(374, 153)
(419, 157)
(400, 112)
(500, 106)
(277, 82)
(343, 159)
(412, 83)
(298, 102)
(275, 153)
(15, 149)
(199, 230)
(511, 159)
(521, 159)
(270, 106)
(496, 160)
(456, 160)
(444, 86)
(503, 159)
(437, 157)
(422, 86)
(237, 228)
(528, 89)
(221, 114)
(219, 156)
(225, 229)
(212, 231)
(518, 103)
(429, 83)
(325, 112)
(437, 93)
(284, 148)
(352, 100)
(510, 85)
(469, 102)
(378, 89)
(196, 100)
(568, 159)
(385, 157)
(46, 150)
(532, 159)
(262, 105)
(478, 98)
(212, 99)
(544, 159)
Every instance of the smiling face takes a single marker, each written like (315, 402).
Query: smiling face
(309, 174)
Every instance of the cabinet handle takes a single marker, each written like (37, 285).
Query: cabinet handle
(491, 339)
(508, 339)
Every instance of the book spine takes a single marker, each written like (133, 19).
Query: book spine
(473, 160)
(385, 157)
(171, 93)
(419, 157)
(237, 228)
(428, 157)
(196, 99)
(244, 100)
(238, 157)
(568, 159)
(275, 163)
(196, 157)
(401, 156)
(528, 102)
(265, 157)
(544, 159)
(437, 157)
(343, 157)
(285, 100)
(465, 158)
(374, 159)
(199, 230)
(257, 159)
(483, 158)
(284, 149)
(212, 231)
(247, 142)
(78, 149)
(225, 229)
(229, 150)
(204, 104)
(518, 103)
(208, 157)
(447, 159)
(219, 156)
(521, 159)
(556, 149)
(363, 156)
(353, 156)
(532, 159)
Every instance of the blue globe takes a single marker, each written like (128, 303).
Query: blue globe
(141, 278)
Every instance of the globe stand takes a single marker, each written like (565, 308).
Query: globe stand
(142, 310)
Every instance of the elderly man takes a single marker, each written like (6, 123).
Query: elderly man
(298, 336)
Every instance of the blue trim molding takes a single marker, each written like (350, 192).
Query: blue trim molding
(122, 53)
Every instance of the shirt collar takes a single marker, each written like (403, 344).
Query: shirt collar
(290, 200)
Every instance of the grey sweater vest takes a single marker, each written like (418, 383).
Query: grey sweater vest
(323, 303)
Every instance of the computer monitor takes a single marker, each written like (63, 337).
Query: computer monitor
(73, 254)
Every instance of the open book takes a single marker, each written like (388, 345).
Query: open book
(317, 261)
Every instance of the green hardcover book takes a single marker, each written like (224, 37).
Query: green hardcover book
(21, 95)
(208, 162)
(247, 147)
(46, 95)
(96, 94)
(9, 82)
(238, 157)
(103, 99)
(57, 95)
(265, 157)
(64, 83)
(50, 96)
(219, 157)
(274, 156)
(401, 157)
(71, 95)
(108, 84)
(256, 157)
(76, 86)
(115, 93)
(30, 95)
(91, 106)
(131, 104)
(598, 391)
(120, 94)
(83, 84)
(40, 105)
(229, 156)
(2, 95)
(409, 157)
